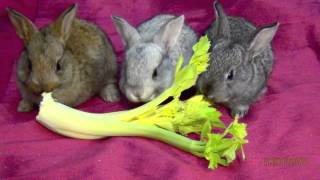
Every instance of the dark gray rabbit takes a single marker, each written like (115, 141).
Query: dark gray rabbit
(152, 51)
(240, 63)
(71, 58)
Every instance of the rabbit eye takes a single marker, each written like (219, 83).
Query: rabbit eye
(230, 75)
(58, 66)
(154, 74)
(30, 66)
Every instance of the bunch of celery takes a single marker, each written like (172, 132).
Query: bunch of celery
(160, 122)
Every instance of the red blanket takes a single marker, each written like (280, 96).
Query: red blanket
(283, 127)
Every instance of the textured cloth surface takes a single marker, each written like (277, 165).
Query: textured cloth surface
(283, 126)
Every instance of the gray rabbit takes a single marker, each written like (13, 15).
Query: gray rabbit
(240, 63)
(152, 51)
(71, 58)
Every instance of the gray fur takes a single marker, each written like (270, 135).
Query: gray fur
(240, 63)
(150, 51)
(71, 58)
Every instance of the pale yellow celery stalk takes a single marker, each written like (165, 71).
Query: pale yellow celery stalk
(77, 124)
(73, 123)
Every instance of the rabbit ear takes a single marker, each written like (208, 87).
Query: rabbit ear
(129, 34)
(24, 27)
(263, 38)
(223, 30)
(63, 24)
(169, 33)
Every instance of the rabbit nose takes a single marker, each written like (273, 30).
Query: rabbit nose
(141, 96)
(138, 96)
(51, 84)
(210, 96)
(133, 98)
(35, 85)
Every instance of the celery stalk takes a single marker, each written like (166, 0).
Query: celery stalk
(82, 125)
(77, 124)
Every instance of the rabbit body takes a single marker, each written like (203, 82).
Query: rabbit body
(240, 63)
(71, 58)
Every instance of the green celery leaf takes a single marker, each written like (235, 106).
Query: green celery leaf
(200, 57)
(195, 116)
(238, 130)
(230, 153)
(205, 131)
(223, 146)
(214, 160)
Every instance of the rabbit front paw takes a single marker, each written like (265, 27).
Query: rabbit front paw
(25, 106)
(110, 93)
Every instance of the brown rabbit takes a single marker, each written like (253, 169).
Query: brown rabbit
(71, 58)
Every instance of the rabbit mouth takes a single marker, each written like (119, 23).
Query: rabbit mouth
(140, 98)
(218, 99)
(36, 89)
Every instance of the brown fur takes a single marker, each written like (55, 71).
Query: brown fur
(71, 58)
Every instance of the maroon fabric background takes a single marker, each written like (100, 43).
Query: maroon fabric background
(283, 125)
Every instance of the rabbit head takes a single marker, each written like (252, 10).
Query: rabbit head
(232, 76)
(44, 49)
(148, 68)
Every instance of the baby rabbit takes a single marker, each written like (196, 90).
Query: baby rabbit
(70, 58)
(240, 63)
(152, 51)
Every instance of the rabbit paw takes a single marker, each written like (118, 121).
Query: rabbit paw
(239, 111)
(25, 106)
(110, 93)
